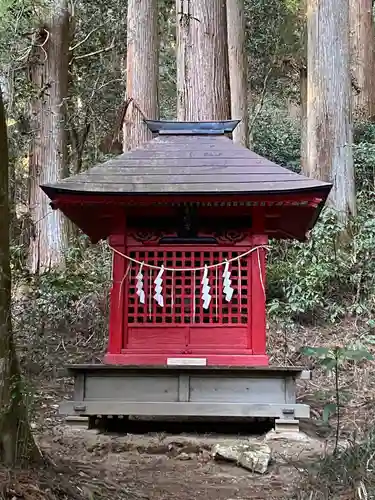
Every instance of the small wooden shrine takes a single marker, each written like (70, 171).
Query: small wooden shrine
(188, 217)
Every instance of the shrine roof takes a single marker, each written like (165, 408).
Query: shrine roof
(188, 158)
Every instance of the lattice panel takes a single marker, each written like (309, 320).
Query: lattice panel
(181, 290)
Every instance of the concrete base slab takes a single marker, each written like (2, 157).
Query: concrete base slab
(77, 421)
(181, 391)
(286, 425)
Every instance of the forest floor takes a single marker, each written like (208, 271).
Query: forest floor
(162, 464)
(155, 465)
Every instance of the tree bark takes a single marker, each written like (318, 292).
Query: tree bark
(362, 41)
(142, 70)
(303, 86)
(202, 61)
(238, 80)
(48, 152)
(303, 119)
(329, 121)
(16, 441)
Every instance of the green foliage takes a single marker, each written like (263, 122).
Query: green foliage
(328, 410)
(65, 302)
(349, 473)
(272, 40)
(96, 90)
(317, 280)
(332, 359)
(167, 60)
(321, 280)
(276, 135)
(364, 155)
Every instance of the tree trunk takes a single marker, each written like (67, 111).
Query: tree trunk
(303, 119)
(329, 125)
(362, 38)
(48, 153)
(16, 441)
(142, 69)
(303, 86)
(238, 70)
(202, 61)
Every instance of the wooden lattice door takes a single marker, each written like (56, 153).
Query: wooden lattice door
(183, 325)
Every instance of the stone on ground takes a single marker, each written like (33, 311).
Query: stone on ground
(251, 456)
(288, 436)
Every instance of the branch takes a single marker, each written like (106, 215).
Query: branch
(261, 100)
(29, 49)
(96, 52)
(81, 146)
(46, 38)
(109, 141)
(78, 44)
(73, 137)
(105, 85)
(85, 133)
(78, 142)
(94, 86)
(137, 106)
(25, 54)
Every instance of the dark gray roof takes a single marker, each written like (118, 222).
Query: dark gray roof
(187, 164)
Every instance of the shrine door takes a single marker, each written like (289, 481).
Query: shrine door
(183, 326)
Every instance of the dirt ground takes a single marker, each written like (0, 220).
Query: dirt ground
(158, 464)
(151, 464)
(162, 466)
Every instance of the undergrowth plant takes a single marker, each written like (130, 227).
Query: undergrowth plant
(321, 280)
(332, 359)
(62, 311)
(349, 473)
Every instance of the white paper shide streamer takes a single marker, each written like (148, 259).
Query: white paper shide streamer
(206, 296)
(158, 296)
(139, 286)
(227, 289)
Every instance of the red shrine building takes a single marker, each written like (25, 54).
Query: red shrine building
(188, 217)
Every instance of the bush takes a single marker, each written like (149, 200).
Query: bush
(349, 473)
(66, 308)
(276, 136)
(320, 280)
(364, 163)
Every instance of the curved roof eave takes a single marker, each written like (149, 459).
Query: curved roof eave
(52, 190)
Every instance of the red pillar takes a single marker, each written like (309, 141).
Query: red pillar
(117, 298)
(258, 284)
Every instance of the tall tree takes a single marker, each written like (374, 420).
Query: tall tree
(16, 440)
(303, 85)
(362, 38)
(202, 60)
(142, 69)
(237, 58)
(48, 150)
(329, 121)
(303, 119)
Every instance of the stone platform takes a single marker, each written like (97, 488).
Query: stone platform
(187, 391)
